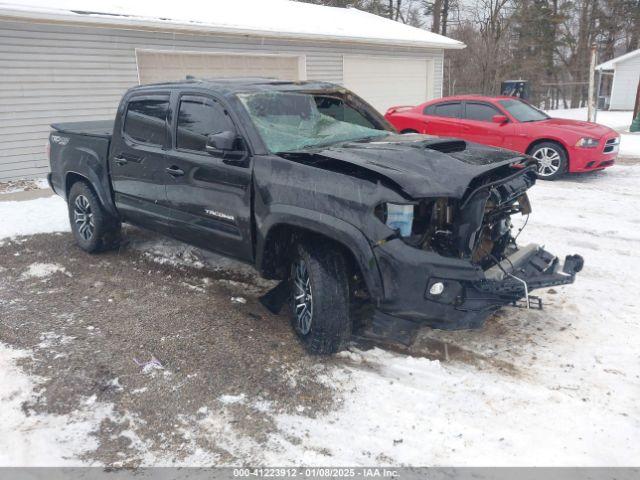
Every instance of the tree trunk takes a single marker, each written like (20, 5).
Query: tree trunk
(437, 12)
(445, 16)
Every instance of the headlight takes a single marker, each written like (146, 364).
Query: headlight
(588, 142)
(397, 217)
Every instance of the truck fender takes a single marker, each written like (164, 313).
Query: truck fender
(338, 230)
(83, 162)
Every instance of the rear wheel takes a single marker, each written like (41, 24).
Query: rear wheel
(552, 160)
(320, 297)
(93, 228)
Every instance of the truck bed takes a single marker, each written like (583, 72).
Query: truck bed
(82, 149)
(95, 128)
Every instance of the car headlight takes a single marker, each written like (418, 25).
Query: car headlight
(588, 142)
(397, 217)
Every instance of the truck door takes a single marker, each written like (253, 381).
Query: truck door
(137, 159)
(209, 193)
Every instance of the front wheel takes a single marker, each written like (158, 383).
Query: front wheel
(552, 160)
(320, 297)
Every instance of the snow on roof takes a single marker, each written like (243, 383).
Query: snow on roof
(274, 18)
(610, 64)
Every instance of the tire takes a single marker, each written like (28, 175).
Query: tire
(552, 160)
(93, 228)
(327, 327)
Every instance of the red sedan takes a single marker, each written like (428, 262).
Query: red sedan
(559, 145)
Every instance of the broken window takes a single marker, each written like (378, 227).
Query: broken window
(291, 121)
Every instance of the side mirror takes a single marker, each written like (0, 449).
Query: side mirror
(500, 119)
(221, 142)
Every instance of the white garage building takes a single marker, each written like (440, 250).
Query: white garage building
(69, 60)
(626, 75)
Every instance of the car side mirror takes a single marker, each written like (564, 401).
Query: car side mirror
(500, 119)
(221, 142)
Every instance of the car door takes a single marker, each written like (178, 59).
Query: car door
(443, 119)
(209, 194)
(478, 125)
(138, 156)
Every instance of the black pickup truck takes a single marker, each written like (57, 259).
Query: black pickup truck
(312, 186)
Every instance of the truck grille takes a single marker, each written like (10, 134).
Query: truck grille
(611, 145)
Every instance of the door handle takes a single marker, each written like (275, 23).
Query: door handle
(174, 171)
(120, 161)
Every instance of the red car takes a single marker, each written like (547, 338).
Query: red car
(559, 145)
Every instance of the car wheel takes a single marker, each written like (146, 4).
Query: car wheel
(320, 297)
(93, 228)
(552, 160)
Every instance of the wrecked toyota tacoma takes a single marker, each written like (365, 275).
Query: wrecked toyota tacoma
(312, 186)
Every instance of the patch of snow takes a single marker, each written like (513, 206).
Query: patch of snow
(41, 215)
(42, 270)
(42, 183)
(38, 440)
(262, 405)
(617, 120)
(51, 339)
(271, 17)
(241, 300)
(630, 145)
(232, 399)
(620, 121)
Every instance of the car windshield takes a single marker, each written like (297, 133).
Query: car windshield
(291, 121)
(522, 111)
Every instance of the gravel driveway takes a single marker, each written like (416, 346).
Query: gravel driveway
(165, 344)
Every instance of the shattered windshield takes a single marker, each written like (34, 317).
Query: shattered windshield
(292, 121)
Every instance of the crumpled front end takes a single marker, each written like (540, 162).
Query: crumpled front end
(450, 263)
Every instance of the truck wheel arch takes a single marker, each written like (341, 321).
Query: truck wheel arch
(281, 231)
(72, 177)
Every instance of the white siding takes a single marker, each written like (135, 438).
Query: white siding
(625, 84)
(55, 72)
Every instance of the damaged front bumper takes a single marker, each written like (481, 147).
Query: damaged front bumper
(467, 295)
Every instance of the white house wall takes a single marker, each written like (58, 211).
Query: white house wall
(625, 84)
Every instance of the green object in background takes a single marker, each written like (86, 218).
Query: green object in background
(635, 125)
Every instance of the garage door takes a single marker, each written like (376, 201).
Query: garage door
(162, 66)
(385, 82)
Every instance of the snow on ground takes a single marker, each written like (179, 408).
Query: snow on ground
(42, 270)
(571, 401)
(575, 401)
(50, 440)
(41, 215)
(619, 121)
(15, 186)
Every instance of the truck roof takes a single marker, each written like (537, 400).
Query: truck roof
(232, 85)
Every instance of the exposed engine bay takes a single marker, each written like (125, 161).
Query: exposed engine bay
(477, 227)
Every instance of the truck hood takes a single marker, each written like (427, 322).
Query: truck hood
(421, 165)
(586, 129)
